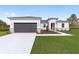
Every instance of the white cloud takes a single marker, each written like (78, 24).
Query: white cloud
(13, 14)
(6, 13)
(9, 14)
(3, 16)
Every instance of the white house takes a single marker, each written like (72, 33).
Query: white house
(36, 24)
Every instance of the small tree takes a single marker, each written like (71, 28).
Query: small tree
(73, 20)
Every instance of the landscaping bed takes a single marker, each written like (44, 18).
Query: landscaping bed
(47, 32)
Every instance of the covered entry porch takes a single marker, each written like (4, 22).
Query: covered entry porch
(52, 26)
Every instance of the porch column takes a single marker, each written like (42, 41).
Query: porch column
(12, 27)
(49, 26)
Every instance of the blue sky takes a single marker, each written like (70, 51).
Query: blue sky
(44, 11)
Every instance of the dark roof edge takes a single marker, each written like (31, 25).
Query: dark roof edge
(61, 21)
(52, 18)
(23, 17)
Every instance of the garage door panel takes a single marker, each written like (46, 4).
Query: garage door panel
(25, 27)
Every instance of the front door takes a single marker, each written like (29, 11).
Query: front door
(52, 26)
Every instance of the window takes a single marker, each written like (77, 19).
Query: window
(62, 24)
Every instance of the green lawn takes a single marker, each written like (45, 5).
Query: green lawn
(2, 33)
(57, 44)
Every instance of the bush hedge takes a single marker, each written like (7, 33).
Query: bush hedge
(4, 27)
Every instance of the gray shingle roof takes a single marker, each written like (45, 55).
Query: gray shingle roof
(44, 21)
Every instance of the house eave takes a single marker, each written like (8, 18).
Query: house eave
(17, 17)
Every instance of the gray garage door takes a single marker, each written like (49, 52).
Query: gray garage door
(25, 27)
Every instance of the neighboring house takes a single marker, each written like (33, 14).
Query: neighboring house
(36, 24)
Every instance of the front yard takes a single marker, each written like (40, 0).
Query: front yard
(57, 44)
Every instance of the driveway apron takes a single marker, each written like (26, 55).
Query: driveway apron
(17, 43)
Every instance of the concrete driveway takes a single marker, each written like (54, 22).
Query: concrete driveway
(17, 43)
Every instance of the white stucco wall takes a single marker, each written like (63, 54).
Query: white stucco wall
(49, 24)
(25, 21)
(59, 26)
(42, 26)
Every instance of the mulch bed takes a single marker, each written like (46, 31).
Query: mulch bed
(47, 32)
